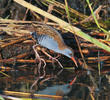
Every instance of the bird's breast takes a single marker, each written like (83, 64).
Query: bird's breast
(48, 42)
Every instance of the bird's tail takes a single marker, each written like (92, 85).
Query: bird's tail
(34, 35)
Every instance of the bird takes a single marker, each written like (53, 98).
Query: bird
(50, 38)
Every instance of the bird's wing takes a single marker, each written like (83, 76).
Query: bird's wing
(48, 42)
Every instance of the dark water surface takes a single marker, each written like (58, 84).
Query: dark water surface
(57, 82)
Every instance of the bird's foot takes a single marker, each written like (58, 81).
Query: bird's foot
(40, 60)
(53, 58)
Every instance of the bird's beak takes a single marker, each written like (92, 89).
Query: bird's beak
(74, 61)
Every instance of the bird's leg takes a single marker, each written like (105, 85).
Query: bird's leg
(39, 66)
(52, 57)
(38, 58)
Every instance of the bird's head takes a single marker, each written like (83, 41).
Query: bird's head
(69, 53)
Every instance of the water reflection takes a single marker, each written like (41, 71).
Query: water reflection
(56, 82)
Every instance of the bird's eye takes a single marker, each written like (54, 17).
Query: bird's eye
(71, 54)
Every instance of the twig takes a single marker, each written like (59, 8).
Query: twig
(16, 41)
(90, 18)
(29, 94)
(64, 25)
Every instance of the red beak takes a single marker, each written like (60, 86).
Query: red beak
(74, 61)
